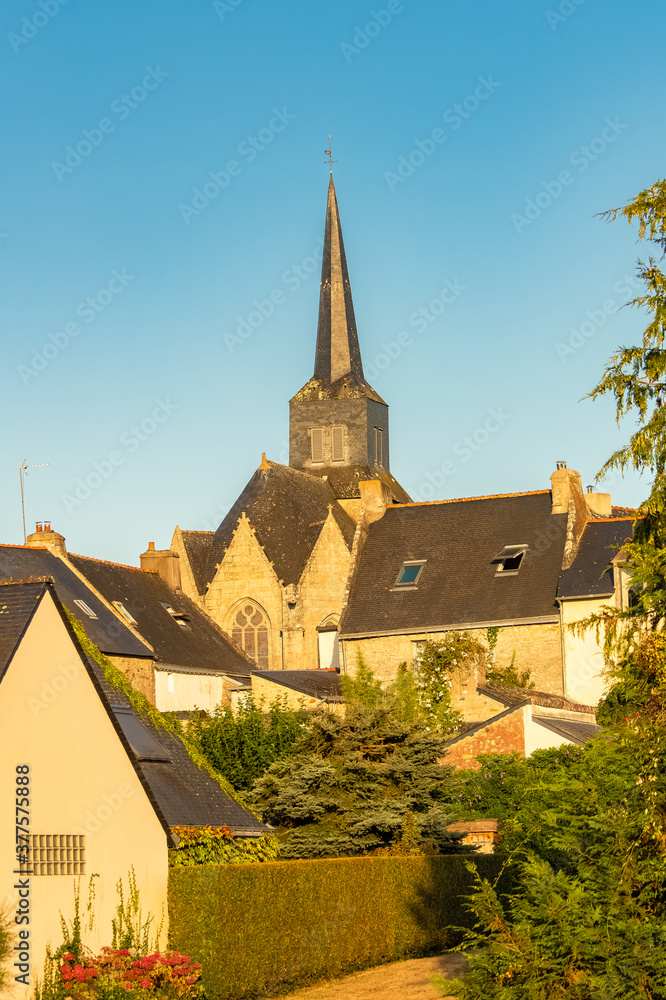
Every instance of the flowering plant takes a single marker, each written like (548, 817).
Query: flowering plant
(121, 974)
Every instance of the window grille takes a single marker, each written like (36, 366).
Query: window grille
(85, 608)
(56, 854)
(250, 630)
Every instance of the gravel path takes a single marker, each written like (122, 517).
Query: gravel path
(410, 980)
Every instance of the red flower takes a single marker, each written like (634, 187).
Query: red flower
(68, 957)
(122, 951)
(146, 983)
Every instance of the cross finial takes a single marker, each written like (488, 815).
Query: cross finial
(329, 152)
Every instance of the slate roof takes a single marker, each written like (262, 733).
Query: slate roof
(577, 732)
(201, 648)
(591, 573)
(458, 585)
(287, 509)
(344, 480)
(181, 793)
(18, 562)
(197, 545)
(322, 684)
(508, 695)
(17, 606)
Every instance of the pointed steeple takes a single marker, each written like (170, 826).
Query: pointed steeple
(338, 352)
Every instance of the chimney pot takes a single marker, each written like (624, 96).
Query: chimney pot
(561, 465)
(151, 545)
(589, 489)
(47, 525)
(38, 526)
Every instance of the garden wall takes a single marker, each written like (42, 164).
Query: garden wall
(258, 927)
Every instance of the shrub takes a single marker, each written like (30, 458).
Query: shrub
(217, 846)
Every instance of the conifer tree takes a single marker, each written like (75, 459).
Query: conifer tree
(589, 922)
(353, 783)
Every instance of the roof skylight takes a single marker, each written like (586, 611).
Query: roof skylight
(410, 573)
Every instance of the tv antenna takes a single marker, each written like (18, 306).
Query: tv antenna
(23, 471)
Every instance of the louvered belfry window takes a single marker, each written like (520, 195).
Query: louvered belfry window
(338, 437)
(250, 631)
(317, 435)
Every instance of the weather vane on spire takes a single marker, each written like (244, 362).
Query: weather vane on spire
(329, 152)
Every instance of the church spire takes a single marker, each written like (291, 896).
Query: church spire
(338, 352)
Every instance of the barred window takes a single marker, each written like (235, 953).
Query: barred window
(55, 854)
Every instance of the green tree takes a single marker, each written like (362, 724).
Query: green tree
(241, 746)
(588, 921)
(353, 783)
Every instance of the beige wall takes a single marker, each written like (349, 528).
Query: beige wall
(583, 657)
(537, 647)
(270, 691)
(81, 781)
(182, 692)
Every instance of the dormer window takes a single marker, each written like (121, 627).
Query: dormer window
(410, 574)
(509, 560)
(178, 616)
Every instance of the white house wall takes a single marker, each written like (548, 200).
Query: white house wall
(81, 782)
(181, 692)
(583, 658)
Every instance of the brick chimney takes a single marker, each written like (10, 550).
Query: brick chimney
(44, 538)
(599, 503)
(568, 498)
(164, 562)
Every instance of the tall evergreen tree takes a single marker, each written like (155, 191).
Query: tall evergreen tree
(355, 783)
(590, 922)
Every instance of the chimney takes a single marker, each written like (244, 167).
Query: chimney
(568, 498)
(599, 503)
(375, 497)
(164, 562)
(44, 538)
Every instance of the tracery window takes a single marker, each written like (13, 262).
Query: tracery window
(249, 629)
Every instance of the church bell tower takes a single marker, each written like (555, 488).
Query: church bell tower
(338, 424)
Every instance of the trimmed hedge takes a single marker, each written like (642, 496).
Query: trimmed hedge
(259, 928)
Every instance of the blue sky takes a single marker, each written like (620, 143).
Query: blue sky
(476, 144)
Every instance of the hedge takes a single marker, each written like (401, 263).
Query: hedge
(261, 928)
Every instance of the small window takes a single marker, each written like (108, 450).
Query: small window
(509, 560)
(178, 616)
(124, 612)
(54, 854)
(379, 446)
(141, 740)
(85, 608)
(410, 574)
(338, 435)
(317, 436)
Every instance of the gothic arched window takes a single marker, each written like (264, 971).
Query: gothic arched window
(249, 628)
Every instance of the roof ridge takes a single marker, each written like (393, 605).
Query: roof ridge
(109, 562)
(194, 531)
(25, 580)
(489, 496)
(604, 520)
(11, 545)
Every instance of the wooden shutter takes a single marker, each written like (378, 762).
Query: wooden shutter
(338, 444)
(317, 434)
